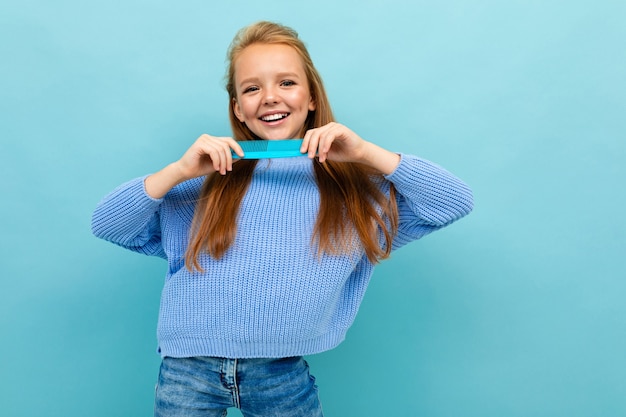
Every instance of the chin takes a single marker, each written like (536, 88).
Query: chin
(276, 136)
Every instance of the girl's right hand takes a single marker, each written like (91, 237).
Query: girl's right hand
(207, 155)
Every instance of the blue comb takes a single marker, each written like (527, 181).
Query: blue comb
(258, 149)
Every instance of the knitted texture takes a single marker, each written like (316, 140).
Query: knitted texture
(271, 295)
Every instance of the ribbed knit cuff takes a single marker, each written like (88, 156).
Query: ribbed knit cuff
(437, 195)
(123, 212)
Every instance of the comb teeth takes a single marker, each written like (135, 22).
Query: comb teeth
(253, 145)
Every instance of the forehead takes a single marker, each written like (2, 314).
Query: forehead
(265, 59)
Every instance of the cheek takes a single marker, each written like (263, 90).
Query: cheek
(303, 99)
(245, 110)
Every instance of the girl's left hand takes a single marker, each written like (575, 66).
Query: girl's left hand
(334, 142)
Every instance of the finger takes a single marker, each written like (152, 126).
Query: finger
(219, 150)
(228, 155)
(313, 142)
(235, 147)
(238, 150)
(231, 146)
(226, 159)
(214, 150)
(323, 146)
(304, 148)
(326, 141)
(216, 158)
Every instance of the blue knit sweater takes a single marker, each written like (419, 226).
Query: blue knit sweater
(271, 295)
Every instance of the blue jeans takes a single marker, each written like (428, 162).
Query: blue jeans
(204, 386)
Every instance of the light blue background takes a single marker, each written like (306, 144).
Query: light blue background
(517, 310)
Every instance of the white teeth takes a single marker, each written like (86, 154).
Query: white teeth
(272, 117)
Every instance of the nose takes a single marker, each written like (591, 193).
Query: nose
(270, 96)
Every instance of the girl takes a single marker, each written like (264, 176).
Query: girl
(268, 260)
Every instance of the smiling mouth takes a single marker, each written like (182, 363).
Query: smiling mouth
(274, 117)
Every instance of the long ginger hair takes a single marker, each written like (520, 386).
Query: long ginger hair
(351, 203)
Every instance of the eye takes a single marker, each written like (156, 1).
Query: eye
(287, 83)
(250, 89)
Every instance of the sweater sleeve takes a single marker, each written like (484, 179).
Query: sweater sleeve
(429, 198)
(129, 217)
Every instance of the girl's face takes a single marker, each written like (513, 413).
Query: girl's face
(273, 97)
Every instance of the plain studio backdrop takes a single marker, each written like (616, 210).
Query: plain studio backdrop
(517, 310)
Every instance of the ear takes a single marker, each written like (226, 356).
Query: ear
(237, 110)
(312, 105)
